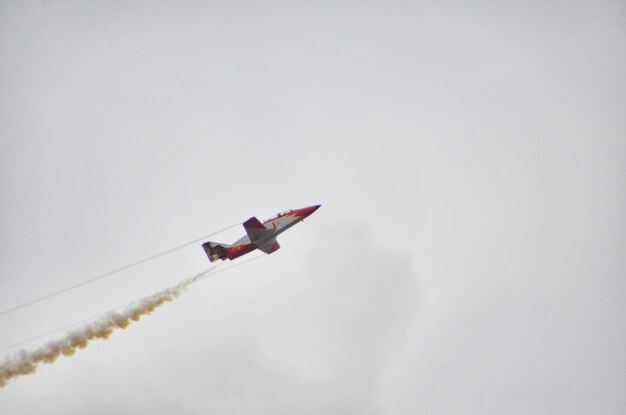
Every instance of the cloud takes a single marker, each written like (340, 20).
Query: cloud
(319, 340)
(311, 339)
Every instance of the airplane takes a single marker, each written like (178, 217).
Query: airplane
(260, 235)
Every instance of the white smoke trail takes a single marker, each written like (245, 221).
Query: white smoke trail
(26, 362)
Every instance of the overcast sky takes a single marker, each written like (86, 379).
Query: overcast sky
(469, 254)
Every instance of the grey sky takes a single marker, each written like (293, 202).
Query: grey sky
(469, 253)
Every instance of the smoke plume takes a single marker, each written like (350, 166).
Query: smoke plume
(26, 362)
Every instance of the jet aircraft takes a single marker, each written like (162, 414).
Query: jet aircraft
(260, 235)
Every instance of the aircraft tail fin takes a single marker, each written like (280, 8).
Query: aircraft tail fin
(215, 250)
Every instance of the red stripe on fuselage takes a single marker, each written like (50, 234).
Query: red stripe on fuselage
(239, 250)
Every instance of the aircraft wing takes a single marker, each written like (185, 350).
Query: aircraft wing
(270, 246)
(256, 230)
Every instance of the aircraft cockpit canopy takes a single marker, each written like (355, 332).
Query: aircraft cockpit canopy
(278, 215)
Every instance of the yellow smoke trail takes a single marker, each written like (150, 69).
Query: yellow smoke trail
(25, 362)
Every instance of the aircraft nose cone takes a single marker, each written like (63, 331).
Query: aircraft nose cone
(309, 210)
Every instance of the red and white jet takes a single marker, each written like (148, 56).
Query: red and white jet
(261, 236)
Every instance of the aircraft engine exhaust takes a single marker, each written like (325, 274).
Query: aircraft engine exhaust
(26, 362)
